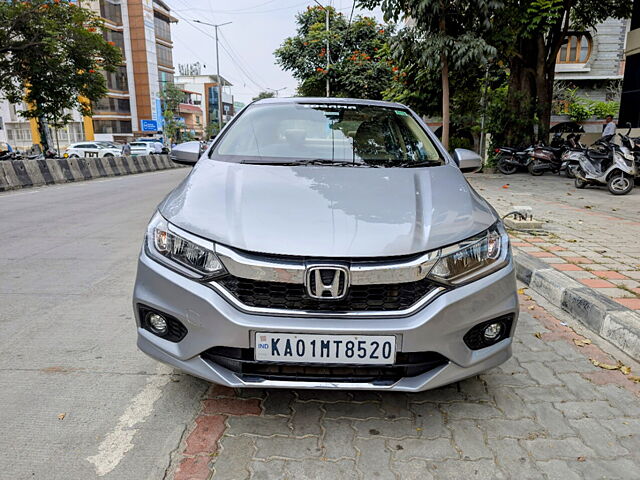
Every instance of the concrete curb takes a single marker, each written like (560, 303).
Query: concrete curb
(17, 174)
(612, 321)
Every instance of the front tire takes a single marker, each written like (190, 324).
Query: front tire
(620, 183)
(505, 167)
(569, 172)
(108, 154)
(531, 167)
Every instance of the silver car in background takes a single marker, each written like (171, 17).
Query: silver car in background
(326, 243)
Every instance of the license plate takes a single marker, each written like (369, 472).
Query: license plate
(337, 349)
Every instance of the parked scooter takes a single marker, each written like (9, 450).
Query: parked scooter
(510, 160)
(615, 167)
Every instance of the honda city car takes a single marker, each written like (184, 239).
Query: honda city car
(326, 243)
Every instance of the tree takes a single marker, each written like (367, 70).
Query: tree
(529, 35)
(357, 65)
(171, 97)
(263, 94)
(52, 54)
(440, 35)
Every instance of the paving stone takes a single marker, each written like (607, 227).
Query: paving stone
(541, 373)
(450, 393)
(475, 389)
(381, 427)
(278, 402)
(287, 447)
(545, 394)
(325, 396)
(513, 458)
(495, 380)
(338, 439)
(395, 405)
(599, 438)
(413, 469)
(547, 448)
(374, 459)
(471, 410)
(502, 427)
(511, 405)
(622, 426)
(322, 469)
(352, 410)
(551, 419)
(594, 409)
(270, 470)
(581, 387)
(620, 468)
(469, 469)
(430, 420)
(430, 449)
(558, 469)
(306, 418)
(470, 440)
(264, 426)
(234, 459)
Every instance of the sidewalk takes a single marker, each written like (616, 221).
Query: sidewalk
(586, 257)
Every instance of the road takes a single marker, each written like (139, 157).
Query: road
(80, 402)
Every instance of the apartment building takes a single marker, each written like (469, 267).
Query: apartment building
(142, 30)
(207, 87)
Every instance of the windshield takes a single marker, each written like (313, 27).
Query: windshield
(351, 135)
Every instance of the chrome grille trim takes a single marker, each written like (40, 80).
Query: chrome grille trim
(255, 267)
(315, 313)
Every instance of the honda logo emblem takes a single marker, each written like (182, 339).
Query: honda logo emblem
(327, 282)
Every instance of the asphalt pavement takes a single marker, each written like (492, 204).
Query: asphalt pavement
(78, 401)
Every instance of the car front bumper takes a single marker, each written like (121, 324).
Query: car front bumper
(212, 322)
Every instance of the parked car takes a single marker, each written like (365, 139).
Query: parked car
(92, 149)
(327, 243)
(153, 141)
(142, 148)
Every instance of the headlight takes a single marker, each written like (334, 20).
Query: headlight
(191, 255)
(473, 258)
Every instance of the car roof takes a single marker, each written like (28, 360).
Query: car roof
(330, 100)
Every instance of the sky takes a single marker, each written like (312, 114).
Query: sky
(246, 45)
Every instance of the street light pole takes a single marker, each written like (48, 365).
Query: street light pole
(326, 24)
(277, 90)
(216, 26)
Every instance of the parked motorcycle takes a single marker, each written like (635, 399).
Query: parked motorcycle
(614, 166)
(510, 160)
(549, 158)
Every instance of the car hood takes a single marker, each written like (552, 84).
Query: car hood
(323, 211)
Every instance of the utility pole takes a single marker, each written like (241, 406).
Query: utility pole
(326, 25)
(277, 90)
(216, 26)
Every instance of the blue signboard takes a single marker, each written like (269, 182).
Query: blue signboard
(148, 125)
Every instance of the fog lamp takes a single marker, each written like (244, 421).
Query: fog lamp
(492, 331)
(157, 323)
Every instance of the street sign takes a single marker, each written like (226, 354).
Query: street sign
(149, 125)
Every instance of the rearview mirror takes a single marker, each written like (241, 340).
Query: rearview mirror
(186, 153)
(468, 161)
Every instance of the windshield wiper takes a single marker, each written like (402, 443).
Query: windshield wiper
(424, 163)
(314, 161)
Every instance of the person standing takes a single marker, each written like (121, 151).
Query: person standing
(157, 148)
(609, 126)
(126, 149)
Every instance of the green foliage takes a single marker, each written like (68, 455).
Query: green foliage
(52, 54)
(579, 111)
(171, 97)
(211, 130)
(604, 109)
(262, 95)
(358, 66)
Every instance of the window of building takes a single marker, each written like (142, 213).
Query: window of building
(110, 10)
(117, 80)
(577, 49)
(164, 78)
(162, 27)
(117, 38)
(112, 126)
(112, 105)
(164, 55)
(198, 119)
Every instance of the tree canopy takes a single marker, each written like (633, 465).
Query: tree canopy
(357, 66)
(264, 94)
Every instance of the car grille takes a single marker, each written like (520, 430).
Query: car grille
(241, 362)
(293, 296)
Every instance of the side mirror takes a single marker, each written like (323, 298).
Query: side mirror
(467, 160)
(186, 153)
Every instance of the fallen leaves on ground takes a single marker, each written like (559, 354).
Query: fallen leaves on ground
(61, 416)
(505, 185)
(633, 378)
(625, 369)
(588, 206)
(531, 307)
(582, 343)
(538, 335)
(581, 459)
(521, 291)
